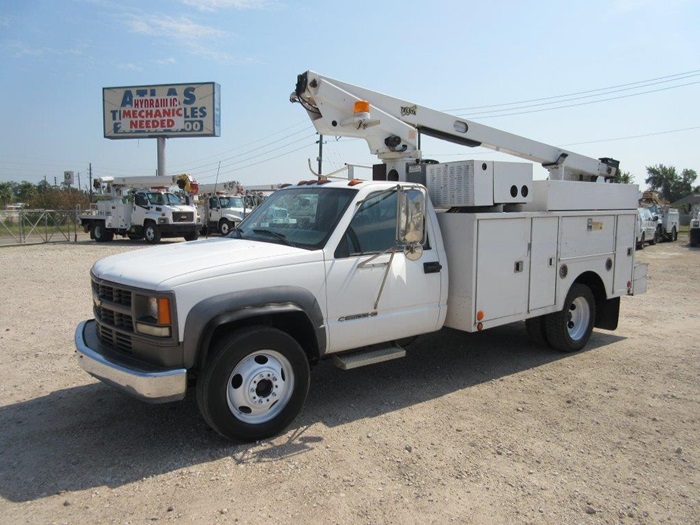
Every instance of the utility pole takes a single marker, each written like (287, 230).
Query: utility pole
(90, 179)
(55, 183)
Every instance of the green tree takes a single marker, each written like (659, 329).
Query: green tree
(623, 177)
(670, 185)
(24, 191)
(6, 193)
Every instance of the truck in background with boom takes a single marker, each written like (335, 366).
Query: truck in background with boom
(667, 219)
(221, 207)
(348, 269)
(142, 208)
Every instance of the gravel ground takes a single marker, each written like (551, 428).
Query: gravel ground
(468, 428)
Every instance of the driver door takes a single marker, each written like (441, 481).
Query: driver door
(374, 296)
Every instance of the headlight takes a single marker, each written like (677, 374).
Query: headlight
(154, 316)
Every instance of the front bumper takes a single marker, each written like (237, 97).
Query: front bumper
(148, 383)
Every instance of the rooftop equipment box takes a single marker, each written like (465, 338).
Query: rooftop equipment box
(479, 183)
(565, 195)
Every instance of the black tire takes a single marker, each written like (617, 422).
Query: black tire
(100, 233)
(151, 233)
(192, 236)
(248, 370)
(134, 236)
(641, 243)
(224, 227)
(674, 234)
(536, 330)
(570, 329)
(655, 239)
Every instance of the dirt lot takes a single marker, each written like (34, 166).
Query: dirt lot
(479, 429)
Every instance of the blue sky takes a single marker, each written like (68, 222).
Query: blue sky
(56, 56)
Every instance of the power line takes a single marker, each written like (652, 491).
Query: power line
(585, 103)
(670, 78)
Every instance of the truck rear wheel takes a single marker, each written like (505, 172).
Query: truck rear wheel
(570, 329)
(100, 233)
(254, 385)
(655, 239)
(674, 234)
(151, 233)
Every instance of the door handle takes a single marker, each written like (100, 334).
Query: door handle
(432, 267)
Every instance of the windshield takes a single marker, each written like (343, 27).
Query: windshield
(302, 216)
(157, 198)
(231, 202)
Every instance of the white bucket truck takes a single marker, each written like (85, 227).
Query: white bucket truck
(142, 208)
(221, 206)
(348, 269)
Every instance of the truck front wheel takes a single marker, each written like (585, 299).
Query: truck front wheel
(254, 385)
(151, 233)
(225, 227)
(674, 234)
(192, 236)
(570, 329)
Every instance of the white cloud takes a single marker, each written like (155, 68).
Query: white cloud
(166, 61)
(216, 5)
(182, 27)
(129, 67)
(21, 49)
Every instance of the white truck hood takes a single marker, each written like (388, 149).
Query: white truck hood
(165, 267)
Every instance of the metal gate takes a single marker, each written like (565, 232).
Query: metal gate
(37, 226)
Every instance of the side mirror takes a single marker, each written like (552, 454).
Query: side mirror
(410, 224)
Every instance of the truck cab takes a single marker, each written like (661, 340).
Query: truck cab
(222, 211)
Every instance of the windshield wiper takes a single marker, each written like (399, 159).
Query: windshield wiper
(277, 235)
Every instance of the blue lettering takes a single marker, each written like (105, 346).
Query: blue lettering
(202, 111)
(141, 92)
(116, 128)
(190, 97)
(115, 113)
(172, 92)
(128, 99)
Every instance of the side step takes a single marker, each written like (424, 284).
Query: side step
(368, 357)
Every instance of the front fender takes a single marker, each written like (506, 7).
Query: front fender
(212, 312)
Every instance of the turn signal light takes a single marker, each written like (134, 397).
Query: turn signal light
(164, 311)
(355, 182)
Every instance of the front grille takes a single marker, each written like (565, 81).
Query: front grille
(113, 338)
(183, 216)
(112, 309)
(111, 293)
(115, 319)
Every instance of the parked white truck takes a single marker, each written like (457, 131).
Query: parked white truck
(666, 219)
(221, 206)
(348, 269)
(140, 208)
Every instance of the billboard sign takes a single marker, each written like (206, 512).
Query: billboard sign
(172, 110)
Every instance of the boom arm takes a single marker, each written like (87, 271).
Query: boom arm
(392, 127)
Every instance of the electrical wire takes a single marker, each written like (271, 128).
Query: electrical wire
(637, 85)
(583, 103)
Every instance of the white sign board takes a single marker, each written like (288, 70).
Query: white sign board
(69, 177)
(175, 110)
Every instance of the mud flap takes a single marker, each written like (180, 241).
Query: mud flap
(607, 313)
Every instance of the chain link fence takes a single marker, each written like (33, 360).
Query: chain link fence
(37, 226)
